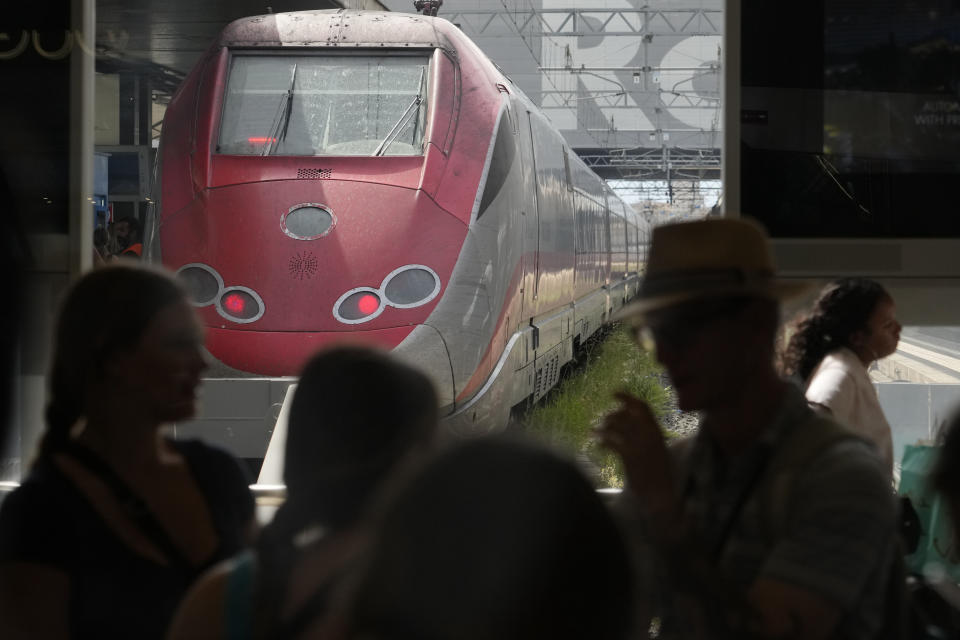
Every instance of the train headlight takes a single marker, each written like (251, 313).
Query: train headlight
(411, 286)
(240, 304)
(202, 282)
(358, 305)
(308, 221)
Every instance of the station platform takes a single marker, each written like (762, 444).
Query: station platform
(915, 363)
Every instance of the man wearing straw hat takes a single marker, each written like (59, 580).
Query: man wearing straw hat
(771, 521)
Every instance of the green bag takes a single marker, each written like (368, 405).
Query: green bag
(936, 555)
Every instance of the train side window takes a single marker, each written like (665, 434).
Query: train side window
(566, 169)
(444, 100)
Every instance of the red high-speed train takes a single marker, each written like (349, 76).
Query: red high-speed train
(344, 175)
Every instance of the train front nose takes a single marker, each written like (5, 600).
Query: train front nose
(280, 269)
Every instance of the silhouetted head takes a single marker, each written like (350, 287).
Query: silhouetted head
(710, 299)
(104, 314)
(714, 348)
(127, 231)
(356, 412)
(841, 317)
(100, 238)
(495, 540)
(945, 476)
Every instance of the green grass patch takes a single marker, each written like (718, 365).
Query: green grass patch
(566, 418)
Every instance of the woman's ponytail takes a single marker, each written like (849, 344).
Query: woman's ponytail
(843, 308)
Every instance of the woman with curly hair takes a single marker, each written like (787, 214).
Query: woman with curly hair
(852, 324)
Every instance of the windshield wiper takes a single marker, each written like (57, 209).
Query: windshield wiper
(402, 122)
(281, 121)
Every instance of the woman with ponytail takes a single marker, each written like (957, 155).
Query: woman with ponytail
(356, 416)
(114, 520)
(852, 324)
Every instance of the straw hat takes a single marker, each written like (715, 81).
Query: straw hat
(708, 258)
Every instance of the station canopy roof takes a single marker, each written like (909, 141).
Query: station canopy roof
(162, 39)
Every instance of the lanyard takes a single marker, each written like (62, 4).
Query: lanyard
(133, 506)
(738, 505)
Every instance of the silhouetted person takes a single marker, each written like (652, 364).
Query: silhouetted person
(935, 592)
(114, 520)
(13, 262)
(852, 324)
(772, 521)
(356, 415)
(495, 540)
(126, 232)
(945, 476)
(100, 251)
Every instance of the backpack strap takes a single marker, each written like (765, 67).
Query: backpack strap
(311, 610)
(811, 437)
(807, 441)
(681, 451)
(238, 601)
(132, 505)
(801, 446)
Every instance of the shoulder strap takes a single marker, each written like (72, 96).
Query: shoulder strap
(312, 609)
(238, 601)
(808, 439)
(680, 450)
(800, 448)
(133, 506)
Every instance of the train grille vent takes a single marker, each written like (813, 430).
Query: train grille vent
(303, 266)
(314, 174)
(547, 376)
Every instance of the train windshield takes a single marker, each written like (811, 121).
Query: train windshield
(317, 105)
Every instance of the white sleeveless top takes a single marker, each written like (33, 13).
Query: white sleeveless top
(841, 383)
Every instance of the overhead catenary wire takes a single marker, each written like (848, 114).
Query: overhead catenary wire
(538, 59)
(556, 58)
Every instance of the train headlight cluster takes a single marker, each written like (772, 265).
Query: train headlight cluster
(202, 283)
(358, 305)
(409, 286)
(240, 304)
(205, 287)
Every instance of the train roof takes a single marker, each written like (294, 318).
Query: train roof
(338, 28)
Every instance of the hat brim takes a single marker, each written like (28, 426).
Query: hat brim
(781, 290)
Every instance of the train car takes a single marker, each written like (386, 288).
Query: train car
(343, 175)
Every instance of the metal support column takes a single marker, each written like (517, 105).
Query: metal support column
(83, 20)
